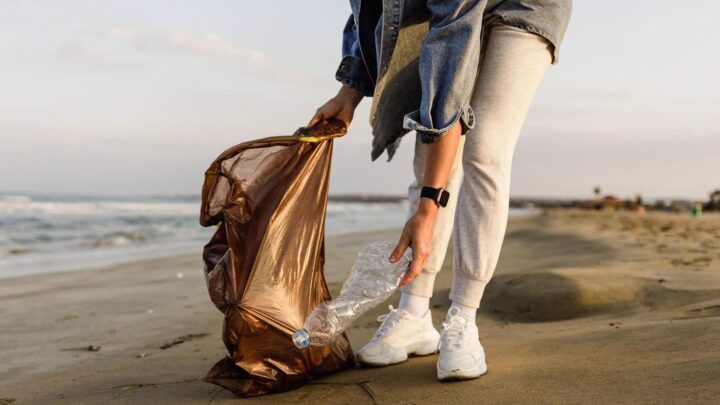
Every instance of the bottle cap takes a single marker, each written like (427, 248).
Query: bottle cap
(301, 339)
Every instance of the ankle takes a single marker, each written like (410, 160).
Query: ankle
(414, 304)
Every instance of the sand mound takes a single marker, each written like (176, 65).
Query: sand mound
(573, 293)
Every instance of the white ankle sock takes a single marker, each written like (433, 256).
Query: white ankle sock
(414, 304)
(465, 311)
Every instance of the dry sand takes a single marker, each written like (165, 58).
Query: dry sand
(585, 307)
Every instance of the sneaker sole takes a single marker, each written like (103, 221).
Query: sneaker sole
(461, 374)
(386, 359)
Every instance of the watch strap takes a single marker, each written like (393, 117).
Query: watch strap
(439, 195)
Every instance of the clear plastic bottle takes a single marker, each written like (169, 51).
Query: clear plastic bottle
(372, 280)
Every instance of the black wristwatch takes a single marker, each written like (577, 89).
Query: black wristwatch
(439, 195)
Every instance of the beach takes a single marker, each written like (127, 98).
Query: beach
(585, 307)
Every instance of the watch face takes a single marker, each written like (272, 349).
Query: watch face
(444, 197)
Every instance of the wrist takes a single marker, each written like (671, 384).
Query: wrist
(427, 208)
(350, 94)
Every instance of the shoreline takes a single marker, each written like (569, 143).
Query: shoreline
(103, 260)
(184, 257)
(597, 300)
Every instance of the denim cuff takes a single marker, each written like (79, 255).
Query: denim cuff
(411, 121)
(352, 73)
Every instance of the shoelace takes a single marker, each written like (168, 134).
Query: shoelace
(453, 333)
(388, 320)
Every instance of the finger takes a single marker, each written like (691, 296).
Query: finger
(315, 119)
(413, 271)
(402, 245)
(345, 117)
(415, 267)
(312, 122)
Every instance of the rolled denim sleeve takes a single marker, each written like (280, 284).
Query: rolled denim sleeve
(352, 71)
(448, 65)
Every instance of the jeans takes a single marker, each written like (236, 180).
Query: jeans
(512, 64)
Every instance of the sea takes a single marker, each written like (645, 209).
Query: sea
(47, 233)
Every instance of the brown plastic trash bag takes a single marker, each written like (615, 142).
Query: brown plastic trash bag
(264, 264)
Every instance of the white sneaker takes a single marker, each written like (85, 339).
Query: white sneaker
(400, 334)
(461, 355)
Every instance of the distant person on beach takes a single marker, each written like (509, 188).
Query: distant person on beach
(462, 74)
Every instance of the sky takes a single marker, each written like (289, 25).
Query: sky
(138, 97)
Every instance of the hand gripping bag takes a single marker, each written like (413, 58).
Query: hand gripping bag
(264, 264)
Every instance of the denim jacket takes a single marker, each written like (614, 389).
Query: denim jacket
(418, 58)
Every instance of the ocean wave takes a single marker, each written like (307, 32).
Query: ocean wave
(120, 240)
(15, 198)
(362, 207)
(28, 206)
(49, 233)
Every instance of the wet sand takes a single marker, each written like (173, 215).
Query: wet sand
(585, 307)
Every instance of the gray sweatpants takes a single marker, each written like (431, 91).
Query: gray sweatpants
(512, 64)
